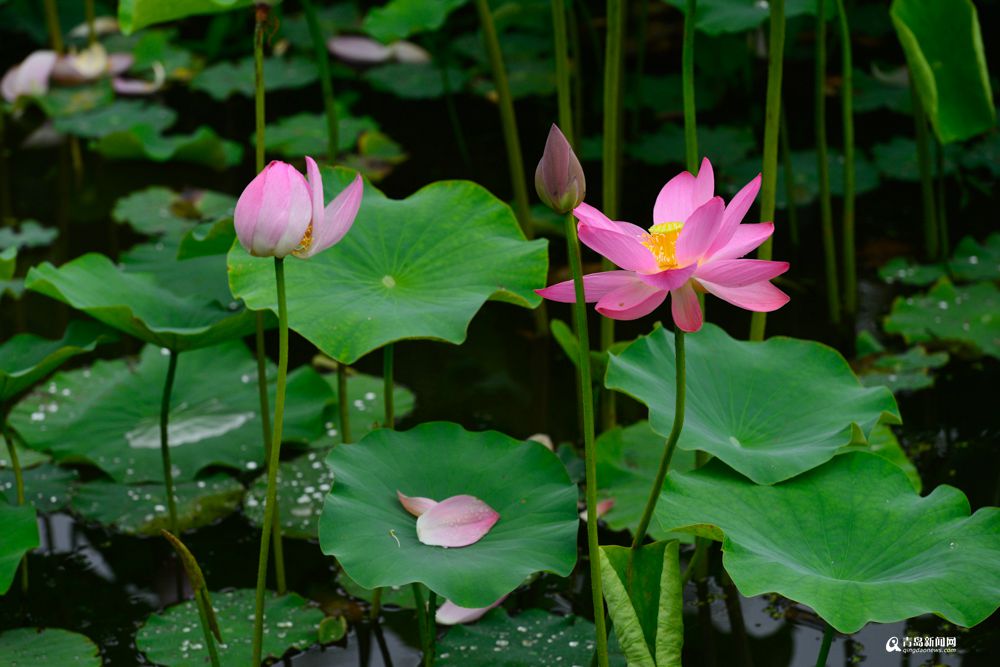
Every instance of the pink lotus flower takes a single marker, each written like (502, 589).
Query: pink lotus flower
(280, 213)
(450, 613)
(30, 77)
(693, 246)
(454, 522)
(603, 507)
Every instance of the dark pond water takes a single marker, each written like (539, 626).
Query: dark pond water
(105, 584)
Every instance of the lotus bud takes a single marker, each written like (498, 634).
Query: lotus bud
(559, 177)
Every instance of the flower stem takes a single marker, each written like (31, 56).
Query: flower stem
(507, 117)
(847, 109)
(270, 503)
(88, 6)
(786, 162)
(931, 247)
(611, 163)
(52, 23)
(562, 69)
(203, 606)
(687, 85)
(590, 453)
(823, 169)
(941, 216)
(19, 486)
(772, 116)
(168, 472)
(325, 81)
(824, 648)
(671, 444)
(343, 403)
(260, 22)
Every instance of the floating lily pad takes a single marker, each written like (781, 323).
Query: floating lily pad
(972, 261)
(851, 539)
(47, 486)
(414, 268)
(159, 46)
(883, 442)
(727, 145)
(203, 146)
(173, 638)
(119, 116)
(645, 600)
(717, 17)
(897, 159)
(60, 101)
(201, 274)
(375, 539)
(113, 412)
(20, 535)
(8, 267)
(366, 406)
(414, 81)
(943, 44)
(135, 14)
(141, 509)
(907, 371)
(399, 19)
(627, 461)
(28, 458)
(966, 316)
(663, 94)
(533, 637)
(805, 182)
(306, 134)
(225, 79)
(37, 647)
(769, 409)
(871, 94)
(302, 487)
(26, 358)
(140, 306)
(29, 234)
(158, 210)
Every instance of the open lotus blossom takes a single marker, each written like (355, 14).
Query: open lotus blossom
(694, 245)
(450, 613)
(30, 77)
(457, 521)
(280, 213)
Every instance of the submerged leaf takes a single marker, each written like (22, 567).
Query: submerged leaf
(47, 646)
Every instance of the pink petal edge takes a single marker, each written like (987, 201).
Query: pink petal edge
(415, 505)
(456, 522)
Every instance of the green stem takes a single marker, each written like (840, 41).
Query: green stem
(824, 648)
(19, 486)
(823, 170)
(168, 472)
(847, 109)
(91, 17)
(431, 628)
(260, 24)
(562, 69)
(200, 599)
(343, 403)
(640, 64)
(52, 24)
(511, 139)
(786, 162)
(590, 453)
(772, 116)
(325, 81)
(443, 59)
(941, 216)
(6, 212)
(931, 246)
(611, 162)
(577, 75)
(687, 84)
(671, 444)
(421, 608)
(273, 460)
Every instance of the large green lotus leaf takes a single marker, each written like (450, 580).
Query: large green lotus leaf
(883, 442)
(200, 274)
(203, 146)
(399, 19)
(173, 638)
(225, 79)
(645, 602)
(366, 406)
(871, 94)
(907, 371)
(40, 647)
(156, 46)
(142, 306)
(533, 637)
(47, 486)
(375, 539)
(627, 460)
(135, 14)
(414, 81)
(662, 93)
(770, 409)
(113, 412)
(302, 486)
(966, 316)
(141, 509)
(727, 145)
(944, 50)
(717, 17)
(26, 358)
(851, 539)
(306, 134)
(119, 116)
(29, 234)
(971, 262)
(20, 535)
(28, 458)
(157, 210)
(419, 267)
(69, 100)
